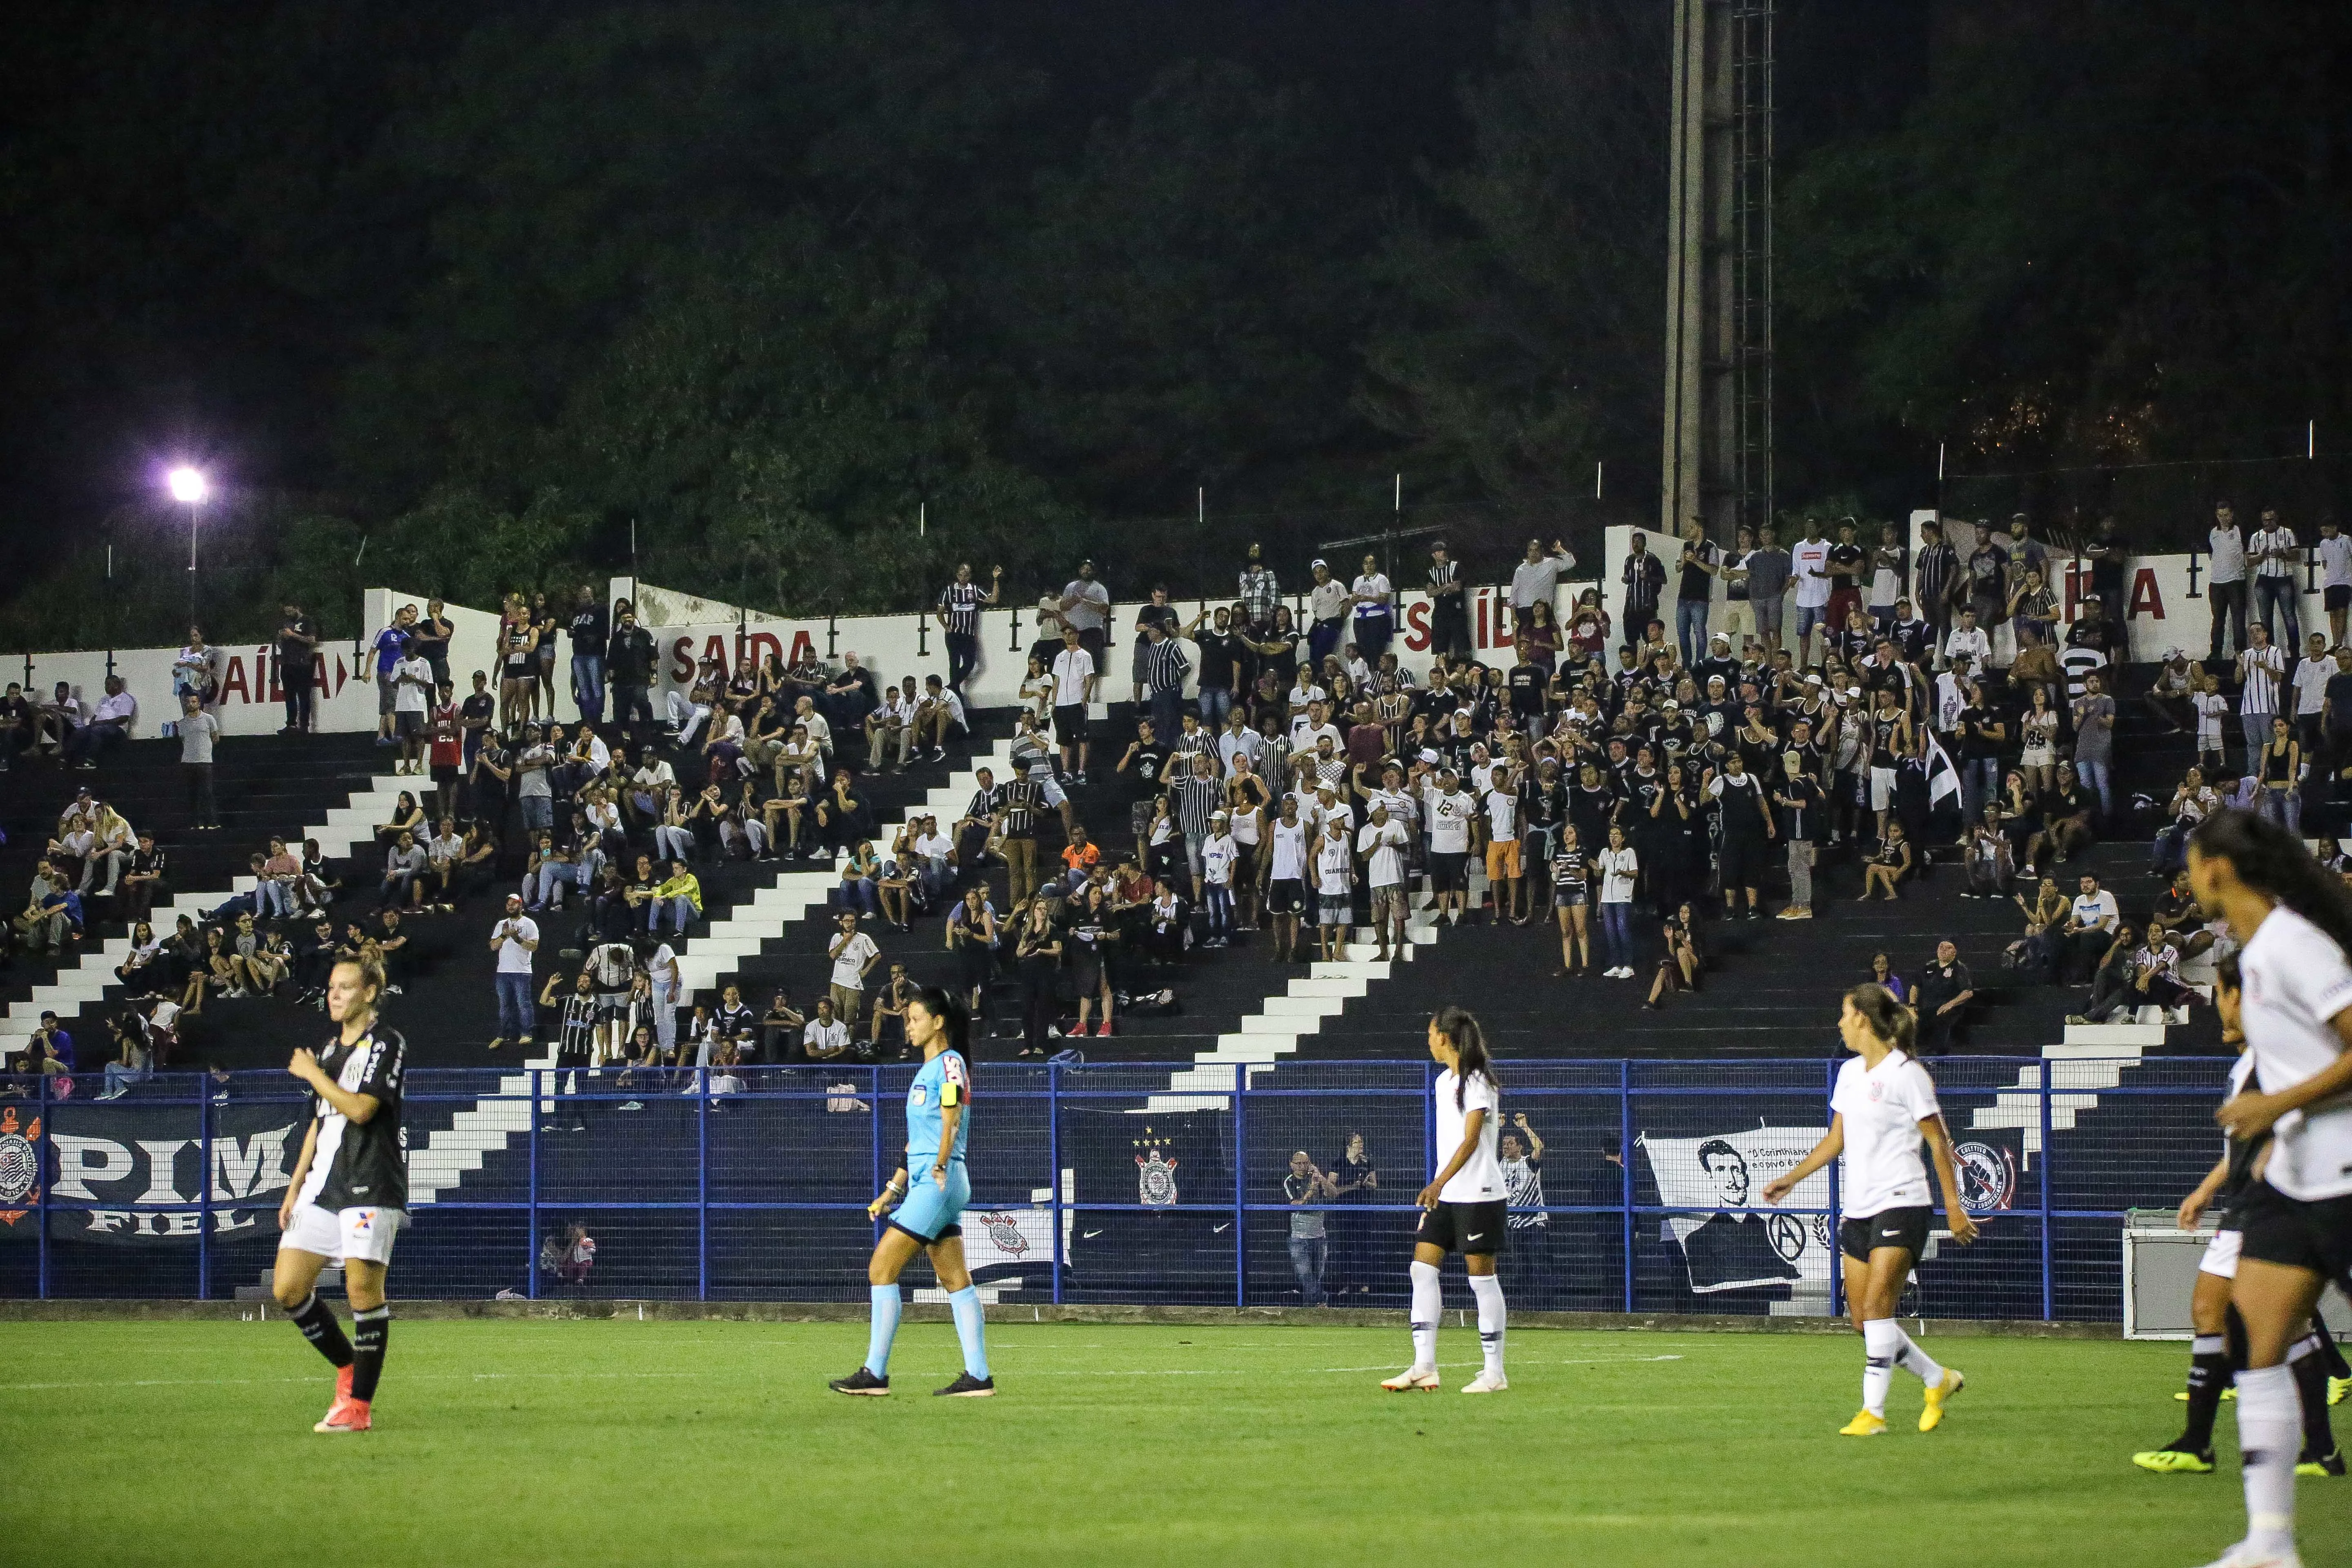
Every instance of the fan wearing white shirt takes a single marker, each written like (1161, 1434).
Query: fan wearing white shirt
(1451, 812)
(1381, 844)
(2277, 557)
(1335, 879)
(1883, 1107)
(2294, 919)
(2336, 577)
(1282, 872)
(1464, 1209)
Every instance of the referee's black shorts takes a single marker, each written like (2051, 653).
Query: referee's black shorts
(1471, 1229)
(1906, 1228)
(2314, 1234)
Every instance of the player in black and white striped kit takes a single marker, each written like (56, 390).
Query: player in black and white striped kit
(2292, 919)
(349, 1196)
(1464, 1209)
(2211, 1352)
(1882, 1109)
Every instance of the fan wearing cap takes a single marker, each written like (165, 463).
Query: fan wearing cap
(1327, 600)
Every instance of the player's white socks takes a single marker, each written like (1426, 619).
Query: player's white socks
(2269, 1425)
(1881, 1342)
(1489, 1292)
(1915, 1361)
(1427, 1303)
(969, 1332)
(885, 1328)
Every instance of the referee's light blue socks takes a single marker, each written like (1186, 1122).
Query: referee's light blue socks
(965, 1305)
(885, 1328)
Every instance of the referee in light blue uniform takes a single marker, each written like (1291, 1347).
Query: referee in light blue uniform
(928, 1194)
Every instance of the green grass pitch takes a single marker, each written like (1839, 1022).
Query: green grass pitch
(622, 1442)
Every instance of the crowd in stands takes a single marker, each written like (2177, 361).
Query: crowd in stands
(1863, 711)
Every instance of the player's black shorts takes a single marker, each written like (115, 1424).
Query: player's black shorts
(1467, 1229)
(1285, 896)
(2339, 598)
(2314, 1235)
(1445, 875)
(1906, 1228)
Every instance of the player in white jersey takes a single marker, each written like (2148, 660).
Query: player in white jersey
(1882, 1107)
(1466, 1208)
(2209, 1313)
(2293, 920)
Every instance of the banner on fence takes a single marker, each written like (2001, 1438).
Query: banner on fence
(1719, 1177)
(105, 1159)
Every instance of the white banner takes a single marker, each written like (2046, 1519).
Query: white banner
(1716, 1177)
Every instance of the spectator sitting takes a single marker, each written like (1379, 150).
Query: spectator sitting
(2134, 973)
(130, 1064)
(2192, 803)
(1891, 863)
(1989, 862)
(404, 873)
(108, 727)
(1881, 973)
(2089, 930)
(681, 894)
(1945, 988)
(1679, 962)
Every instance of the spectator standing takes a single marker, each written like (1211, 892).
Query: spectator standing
(297, 642)
(2313, 672)
(2261, 668)
(431, 640)
(1449, 605)
(412, 690)
(854, 955)
(2334, 550)
(514, 941)
(1075, 674)
(1618, 867)
(1326, 614)
(2109, 554)
(1375, 610)
(1764, 572)
(1535, 580)
(197, 730)
(957, 613)
(1085, 608)
(1309, 1246)
(1935, 572)
(591, 639)
(2094, 741)
(2225, 580)
(629, 662)
(1797, 802)
(1695, 592)
(1943, 988)
(2277, 559)
(1165, 667)
(1258, 591)
(389, 646)
(1644, 579)
(1810, 564)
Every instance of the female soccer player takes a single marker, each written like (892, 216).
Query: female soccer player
(2209, 1306)
(928, 1193)
(1885, 1103)
(2293, 923)
(349, 1196)
(1464, 1209)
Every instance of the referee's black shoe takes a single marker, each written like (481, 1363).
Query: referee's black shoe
(966, 1386)
(860, 1382)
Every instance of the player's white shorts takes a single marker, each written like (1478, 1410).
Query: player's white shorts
(341, 1235)
(2221, 1259)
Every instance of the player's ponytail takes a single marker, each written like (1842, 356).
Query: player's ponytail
(1889, 1019)
(2273, 863)
(1469, 1041)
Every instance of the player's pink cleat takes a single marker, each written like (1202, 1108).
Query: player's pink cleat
(348, 1415)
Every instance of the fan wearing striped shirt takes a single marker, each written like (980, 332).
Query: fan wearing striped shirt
(2261, 666)
(957, 613)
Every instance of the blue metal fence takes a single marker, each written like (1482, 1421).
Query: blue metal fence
(1113, 1182)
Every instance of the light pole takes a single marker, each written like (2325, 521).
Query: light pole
(189, 487)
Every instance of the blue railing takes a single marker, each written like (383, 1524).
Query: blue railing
(1103, 1182)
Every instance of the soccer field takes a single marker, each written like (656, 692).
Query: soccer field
(521, 1441)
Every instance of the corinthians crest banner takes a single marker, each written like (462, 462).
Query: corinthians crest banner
(1716, 1178)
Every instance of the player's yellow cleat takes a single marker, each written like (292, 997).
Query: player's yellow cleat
(2174, 1462)
(1864, 1425)
(2337, 1387)
(2230, 1392)
(1931, 1415)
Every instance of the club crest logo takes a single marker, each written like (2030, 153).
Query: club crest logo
(1988, 1174)
(1155, 1181)
(20, 1163)
(1005, 1235)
